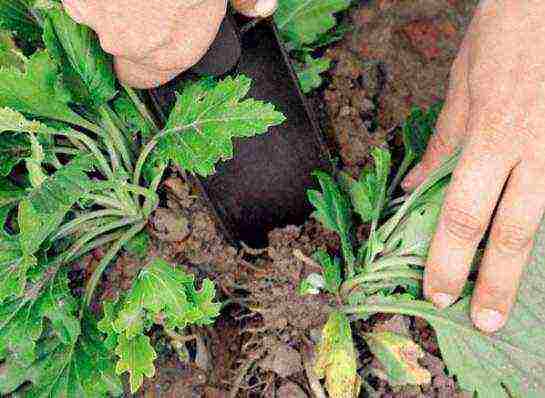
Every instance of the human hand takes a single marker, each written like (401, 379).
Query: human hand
(495, 110)
(153, 41)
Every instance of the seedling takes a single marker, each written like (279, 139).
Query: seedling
(384, 275)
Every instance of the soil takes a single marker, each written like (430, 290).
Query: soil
(397, 55)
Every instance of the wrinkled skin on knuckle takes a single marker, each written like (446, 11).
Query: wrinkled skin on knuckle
(461, 225)
(511, 239)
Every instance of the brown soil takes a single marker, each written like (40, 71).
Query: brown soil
(398, 55)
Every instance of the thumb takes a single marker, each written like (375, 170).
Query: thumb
(451, 126)
(255, 8)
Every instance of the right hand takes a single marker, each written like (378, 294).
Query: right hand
(153, 41)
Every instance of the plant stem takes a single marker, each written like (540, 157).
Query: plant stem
(70, 227)
(108, 257)
(117, 137)
(394, 261)
(348, 254)
(149, 205)
(69, 255)
(101, 241)
(350, 284)
(142, 109)
(106, 201)
(444, 170)
(401, 171)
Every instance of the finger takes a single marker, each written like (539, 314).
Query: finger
(511, 240)
(473, 193)
(451, 125)
(256, 8)
(140, 76)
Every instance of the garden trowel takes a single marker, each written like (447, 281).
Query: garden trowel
(264, 186)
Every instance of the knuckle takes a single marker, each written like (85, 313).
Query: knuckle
(462, 225)
(511, 238)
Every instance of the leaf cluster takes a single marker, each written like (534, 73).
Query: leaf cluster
(305, 27)
(81, 160)
(386, 277)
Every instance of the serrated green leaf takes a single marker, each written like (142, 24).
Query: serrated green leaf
(333, 210)
(337, 358)
(13, 149)
(77, 49)
(331, 270)
(369, 192)
(41, 213)
(136, 356)
(13, 268)
(310, 73)
(303, 21)
(37, 90)
(399, 357)
(205, 120)
(205, 310)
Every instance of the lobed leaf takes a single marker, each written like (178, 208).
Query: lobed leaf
(37, 90)
(310, 73)
(136, 356)
(205, 120)
(15, 16)
(44, 209)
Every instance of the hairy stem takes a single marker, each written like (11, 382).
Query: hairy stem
(387, 275)
(108, 257)
(116, 136)
(76, 247)
(142, 109)
(71, 226)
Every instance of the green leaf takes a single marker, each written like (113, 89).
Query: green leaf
(13, 268)
(504, 364)
(43, 211)
(310, 73)
(78, 51)
(205, 120)
(136, 356)
(13, 149)
(15, 17)
(418, 129)
(331, 271)
(369, 192)
(414, 234)
(399, 357)
(333, 210)
(37, 90)
(303, 21)
(132, 118)
(337, 358)
(84, 368)
(22, 320)
(10, 56)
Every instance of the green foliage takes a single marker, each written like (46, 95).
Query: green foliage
(333, 210)
(74, 145)
(303, 22)
(205, 120)
(160, 292)
(418, 129)
(308, 25)
(78, 52)
(15, 17)
(310, 73)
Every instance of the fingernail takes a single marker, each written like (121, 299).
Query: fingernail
(265, 8)
(442, 300)
(488, 320)
(412, 177)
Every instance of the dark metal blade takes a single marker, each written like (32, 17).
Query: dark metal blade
(264, 186)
